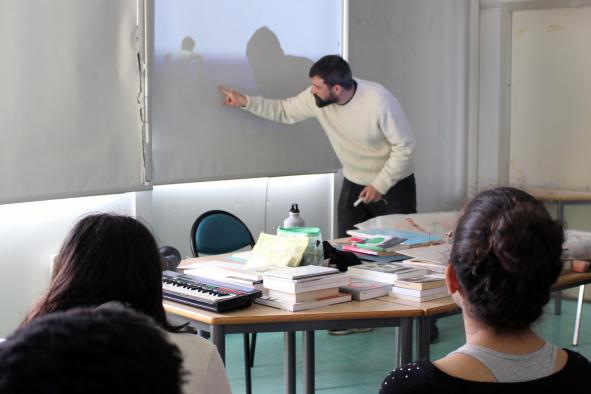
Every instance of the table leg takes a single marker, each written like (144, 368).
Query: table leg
(247, 370)
(289, 362)
(423, 337)
(405, 341)
(218, 338)
(309, 366)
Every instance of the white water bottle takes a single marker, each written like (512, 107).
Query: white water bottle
(294, 219)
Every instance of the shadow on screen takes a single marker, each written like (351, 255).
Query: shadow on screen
(277, 75)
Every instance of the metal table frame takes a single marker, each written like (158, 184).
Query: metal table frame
(402, 343)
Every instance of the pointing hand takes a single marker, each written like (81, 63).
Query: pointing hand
(232, 98)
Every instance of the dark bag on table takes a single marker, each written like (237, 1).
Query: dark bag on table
(340, 258)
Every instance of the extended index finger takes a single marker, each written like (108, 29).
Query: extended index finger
(224, 91)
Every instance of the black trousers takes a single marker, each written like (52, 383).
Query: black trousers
(401, 198)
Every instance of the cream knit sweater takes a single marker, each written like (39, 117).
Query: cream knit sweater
(370, 134)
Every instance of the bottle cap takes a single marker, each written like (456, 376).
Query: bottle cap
(294, 208)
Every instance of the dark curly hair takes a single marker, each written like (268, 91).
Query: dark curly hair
(506, 255)
(90, 351)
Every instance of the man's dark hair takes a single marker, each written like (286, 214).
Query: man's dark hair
(105, 258)
(88, 351)
(506, 255)
(333, 70)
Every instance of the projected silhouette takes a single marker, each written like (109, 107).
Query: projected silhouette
(277, 75)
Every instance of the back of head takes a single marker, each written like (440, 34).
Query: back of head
(506, 255)
(107, 350)
(333, 70)
(104, 258)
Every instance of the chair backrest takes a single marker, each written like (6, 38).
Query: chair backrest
(216, 232)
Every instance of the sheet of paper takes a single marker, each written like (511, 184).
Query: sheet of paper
(271, 250)
(198, 264)
(241, 256)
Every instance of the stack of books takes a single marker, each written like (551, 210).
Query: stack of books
(305, 287)
(422, 288)
(228, 272)
(377, 245)
(386, 241)
(364, 289)
(387, 272)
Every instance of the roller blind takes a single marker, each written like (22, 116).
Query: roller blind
(260, 47)
(70, 114)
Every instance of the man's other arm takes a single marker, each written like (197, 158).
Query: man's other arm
(397, 131)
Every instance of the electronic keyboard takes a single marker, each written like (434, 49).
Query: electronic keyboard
(206, 293)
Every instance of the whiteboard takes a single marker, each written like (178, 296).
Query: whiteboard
(259, 47)
(69, 113)
(550, 122)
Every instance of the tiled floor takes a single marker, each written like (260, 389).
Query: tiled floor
(357, 363)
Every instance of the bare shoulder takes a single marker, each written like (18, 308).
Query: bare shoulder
(561, 359)
(464, 367)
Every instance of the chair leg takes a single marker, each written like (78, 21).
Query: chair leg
(247, 376)
(253, 344)
(579, 312)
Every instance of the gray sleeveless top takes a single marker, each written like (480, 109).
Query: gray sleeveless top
(508, 368)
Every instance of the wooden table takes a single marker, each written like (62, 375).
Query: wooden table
(259, 318)
(379, 312)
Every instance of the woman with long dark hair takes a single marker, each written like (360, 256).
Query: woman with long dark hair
(110, 258)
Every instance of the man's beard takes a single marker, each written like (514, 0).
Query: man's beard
(323, 103)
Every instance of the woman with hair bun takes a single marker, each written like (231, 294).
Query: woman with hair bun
(504, 259)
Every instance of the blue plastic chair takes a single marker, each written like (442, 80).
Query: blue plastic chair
(217, 232)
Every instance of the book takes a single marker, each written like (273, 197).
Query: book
(384, 272)
(224, 270)
(306, 284)
(417, 299)
(381, 243)
(420, 293)
(371, 251)
(413, 239)
(429, 281)
(376, 248)
(301, 306)
(301, 272)
(371, 257)
(303, 296)
(420, 264)
(363, 289)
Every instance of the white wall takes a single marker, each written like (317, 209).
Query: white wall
(419, 51)
(489, 136)
(262, 203)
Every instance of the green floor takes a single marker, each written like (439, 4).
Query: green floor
(357, 363)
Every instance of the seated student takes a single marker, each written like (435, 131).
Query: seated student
(110, 258)
(90, 351)
(504, 259)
